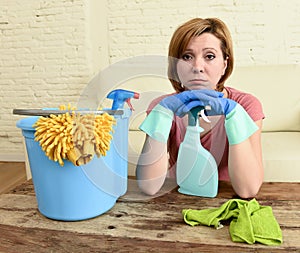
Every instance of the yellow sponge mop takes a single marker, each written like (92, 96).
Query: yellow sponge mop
(74, 137)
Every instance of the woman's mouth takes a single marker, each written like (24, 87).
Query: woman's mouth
(198, 82)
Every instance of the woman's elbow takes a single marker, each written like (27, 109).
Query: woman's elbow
(249, 192)
(147, 187)
(150, 185)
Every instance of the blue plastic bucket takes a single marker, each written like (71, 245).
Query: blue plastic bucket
(72, 192)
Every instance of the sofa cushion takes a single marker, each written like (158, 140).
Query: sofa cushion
(277, 88)
(281, 156)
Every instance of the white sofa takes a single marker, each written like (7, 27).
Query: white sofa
(276, 87)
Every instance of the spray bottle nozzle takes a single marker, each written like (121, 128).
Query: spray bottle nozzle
(193, 114)
(121, 96)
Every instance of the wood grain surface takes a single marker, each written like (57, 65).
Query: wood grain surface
(138, 223)
(11, 175)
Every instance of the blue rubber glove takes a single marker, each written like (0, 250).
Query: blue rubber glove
(214, 99)
(238, 124)
(181, 103)
(158, 123)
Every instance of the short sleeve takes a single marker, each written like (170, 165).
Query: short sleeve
(249, 102)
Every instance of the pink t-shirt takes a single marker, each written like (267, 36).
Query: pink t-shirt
(215, 141)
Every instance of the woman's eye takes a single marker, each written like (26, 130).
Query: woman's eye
(187, 57)
(210, 56)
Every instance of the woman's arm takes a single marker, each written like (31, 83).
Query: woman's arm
(152, 166)
(245, 165)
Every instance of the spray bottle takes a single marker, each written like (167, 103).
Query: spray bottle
(121, 96)
(196, 171)
(117, 169)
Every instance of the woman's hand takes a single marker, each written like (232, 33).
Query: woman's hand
(158, 123)
(211, 98)
(181, 103)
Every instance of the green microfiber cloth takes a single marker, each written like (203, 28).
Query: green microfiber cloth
(250, 222)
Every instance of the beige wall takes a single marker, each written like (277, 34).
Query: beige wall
(263, 31)
(50, 50)
(97, 28)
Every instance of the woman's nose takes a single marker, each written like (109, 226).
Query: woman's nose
(198, 65)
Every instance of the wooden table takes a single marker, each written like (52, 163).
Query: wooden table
(138, 223)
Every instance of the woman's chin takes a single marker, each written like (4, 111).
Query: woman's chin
(198, 87)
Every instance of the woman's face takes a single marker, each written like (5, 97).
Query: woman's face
(202, 63)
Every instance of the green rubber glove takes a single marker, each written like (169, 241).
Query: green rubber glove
(238, 125)
(158, 123)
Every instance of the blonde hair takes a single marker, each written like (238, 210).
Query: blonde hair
(196, 27)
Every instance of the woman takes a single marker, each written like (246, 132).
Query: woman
(200, 61)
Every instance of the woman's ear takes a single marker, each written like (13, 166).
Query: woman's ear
(225, 65)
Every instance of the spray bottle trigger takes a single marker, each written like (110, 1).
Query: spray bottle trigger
(129, 104)
(204, 117)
